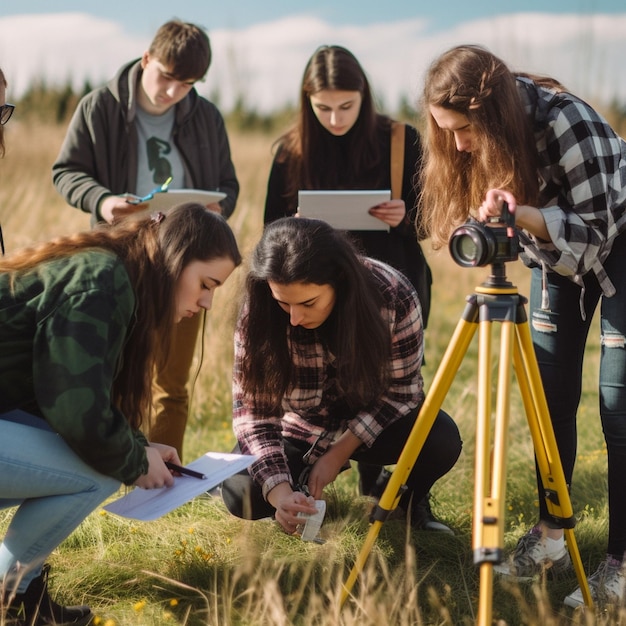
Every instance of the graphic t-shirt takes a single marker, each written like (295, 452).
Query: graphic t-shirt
(158, 156)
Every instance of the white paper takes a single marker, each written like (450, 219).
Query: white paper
(164, 200)
(344, 210)
(150, 504)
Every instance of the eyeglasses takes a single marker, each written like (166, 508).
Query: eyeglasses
(6, 110)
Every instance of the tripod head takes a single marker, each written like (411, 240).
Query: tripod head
(497, 279)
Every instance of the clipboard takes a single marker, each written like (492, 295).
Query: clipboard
(344, 209)
(150, 504)
(164, 200)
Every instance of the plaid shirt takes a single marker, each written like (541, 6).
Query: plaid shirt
(313, 410)
(582, 167)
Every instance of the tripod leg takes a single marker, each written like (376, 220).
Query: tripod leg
(428, 413)
(546, 450)
(490, 467)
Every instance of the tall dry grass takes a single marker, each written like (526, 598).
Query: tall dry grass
(200, 566)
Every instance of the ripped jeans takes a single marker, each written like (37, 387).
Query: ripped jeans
(560, 346)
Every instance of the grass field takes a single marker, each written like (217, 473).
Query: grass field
(198, 565)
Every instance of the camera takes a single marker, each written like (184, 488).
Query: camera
(475, 244)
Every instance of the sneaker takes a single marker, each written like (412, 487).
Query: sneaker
(531, 559)
(606, 584)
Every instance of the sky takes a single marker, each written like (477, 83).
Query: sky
(260, 47)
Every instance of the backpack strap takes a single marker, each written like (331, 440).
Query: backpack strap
(397, 159)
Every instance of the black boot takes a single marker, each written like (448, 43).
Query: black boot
(422, 517)
(369, 475)
(34, 607)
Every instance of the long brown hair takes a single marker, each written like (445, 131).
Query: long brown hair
(155, 251)
(300, 250)
(472, 81)
(313, 155)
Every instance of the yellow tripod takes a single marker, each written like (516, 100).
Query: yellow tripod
(496, 300)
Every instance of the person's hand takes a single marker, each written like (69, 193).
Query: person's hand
(215, 207)
(288, 503)
(158, 474)
(115, 208)
(168, 453)
(325, 471)
(391, 212)
(492, 204)
(527, 217)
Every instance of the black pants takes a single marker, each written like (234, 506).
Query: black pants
(243, 496)
(560, 355)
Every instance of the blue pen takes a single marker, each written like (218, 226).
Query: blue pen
(149, 196)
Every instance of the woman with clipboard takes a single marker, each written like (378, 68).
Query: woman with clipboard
(341, 142)
(83, 321)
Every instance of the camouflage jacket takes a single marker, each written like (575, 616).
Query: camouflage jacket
(62, 329)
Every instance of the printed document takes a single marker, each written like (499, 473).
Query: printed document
(150, 504)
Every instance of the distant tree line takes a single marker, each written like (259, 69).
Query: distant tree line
(52, 104)
(56, 104)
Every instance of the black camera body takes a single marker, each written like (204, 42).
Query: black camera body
(475, 244)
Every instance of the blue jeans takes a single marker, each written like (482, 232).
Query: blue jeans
(53, 489)
(560, 350)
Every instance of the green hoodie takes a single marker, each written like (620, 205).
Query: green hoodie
(62, 331)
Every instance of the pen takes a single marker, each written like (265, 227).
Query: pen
(150, 194)
(184, 470)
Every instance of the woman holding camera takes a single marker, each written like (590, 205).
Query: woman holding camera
(495, 136)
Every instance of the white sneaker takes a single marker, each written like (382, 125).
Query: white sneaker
(531, 558)
(606, 584)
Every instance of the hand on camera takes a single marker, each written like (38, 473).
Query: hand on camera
(492, 204)
(529, 218)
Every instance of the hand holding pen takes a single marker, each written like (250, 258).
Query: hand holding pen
(185, 471)
(143, 199)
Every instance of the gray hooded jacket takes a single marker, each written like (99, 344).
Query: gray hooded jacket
(98, 157)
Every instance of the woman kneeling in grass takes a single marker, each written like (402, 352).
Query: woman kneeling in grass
(80, 320)
(328, 353)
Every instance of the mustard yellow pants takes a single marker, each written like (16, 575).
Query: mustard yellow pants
(170, 393)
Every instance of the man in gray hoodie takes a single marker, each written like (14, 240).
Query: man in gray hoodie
(146, 126)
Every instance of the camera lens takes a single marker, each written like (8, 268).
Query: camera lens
(472, 245)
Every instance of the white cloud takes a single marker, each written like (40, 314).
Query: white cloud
(58, 47)
(264, 63)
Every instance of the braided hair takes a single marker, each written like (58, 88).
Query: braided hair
(473, 82)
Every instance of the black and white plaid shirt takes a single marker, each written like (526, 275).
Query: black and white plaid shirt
(582, 167)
